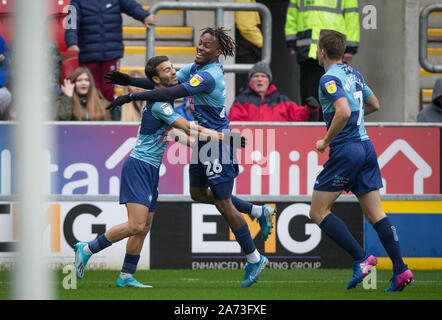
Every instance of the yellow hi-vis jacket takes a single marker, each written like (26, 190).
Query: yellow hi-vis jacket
(306, 18)
(247, 23)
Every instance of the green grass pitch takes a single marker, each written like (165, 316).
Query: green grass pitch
(320, 284)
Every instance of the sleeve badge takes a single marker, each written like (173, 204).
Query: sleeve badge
(196, 80)
(330, 87)
(167, 109)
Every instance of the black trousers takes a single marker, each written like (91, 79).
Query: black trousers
(246, 52)
(310, 72)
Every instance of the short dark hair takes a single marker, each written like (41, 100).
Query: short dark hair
(152, 64)
(333, 43)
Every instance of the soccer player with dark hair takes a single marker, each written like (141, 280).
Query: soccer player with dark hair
(140, 175)
(352, 164)
(213, 168)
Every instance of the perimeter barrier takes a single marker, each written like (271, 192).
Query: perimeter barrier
(279, 169)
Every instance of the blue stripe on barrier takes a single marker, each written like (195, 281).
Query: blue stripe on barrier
(420, 235)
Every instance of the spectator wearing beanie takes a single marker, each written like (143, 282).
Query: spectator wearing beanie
(433, 112)
(261, 101)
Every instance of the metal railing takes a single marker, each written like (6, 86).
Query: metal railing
(219, 8)
(423, 38)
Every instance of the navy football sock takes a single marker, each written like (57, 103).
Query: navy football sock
(388, 236)
(242, 205)
(130, 263)
(99, 244)
(336, 229)
(244, 239)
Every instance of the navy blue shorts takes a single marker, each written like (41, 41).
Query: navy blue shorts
(139, 183)
(214, 165)
(351, 166)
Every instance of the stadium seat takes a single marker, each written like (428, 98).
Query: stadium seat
(56, 6)
(68, 67)
(6, 21)
(55, 21)
(6, 6)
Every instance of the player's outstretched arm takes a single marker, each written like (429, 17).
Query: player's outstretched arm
(371, 104)
(164, 94)
(123, 79)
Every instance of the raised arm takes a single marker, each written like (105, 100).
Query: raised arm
(164, 94)
(123, 79)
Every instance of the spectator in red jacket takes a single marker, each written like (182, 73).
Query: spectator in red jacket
(261, 101)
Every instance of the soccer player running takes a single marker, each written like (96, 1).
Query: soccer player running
(140, 175)
(213, 173)
(352, 163)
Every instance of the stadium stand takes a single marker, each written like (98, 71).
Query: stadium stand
(172, 38)
(55, 21)
(68, 67)
(179, 37)
(427, 79)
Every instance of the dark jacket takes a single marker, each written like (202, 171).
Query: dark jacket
(433, 112)
(99, 28)
(65, 104)
(248, 106)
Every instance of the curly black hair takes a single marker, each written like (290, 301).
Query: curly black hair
(226, 43)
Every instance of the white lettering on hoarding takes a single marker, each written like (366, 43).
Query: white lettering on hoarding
(90, 182)
(5, 162)
(200, 228)
(294, 174)
(275, 165)
(311, 229)
(423, 169)
(312, 170)
(87, 175)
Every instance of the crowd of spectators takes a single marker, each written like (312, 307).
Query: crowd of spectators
(261, 101)
(98, 38)
(83, 95)
(80, 99)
